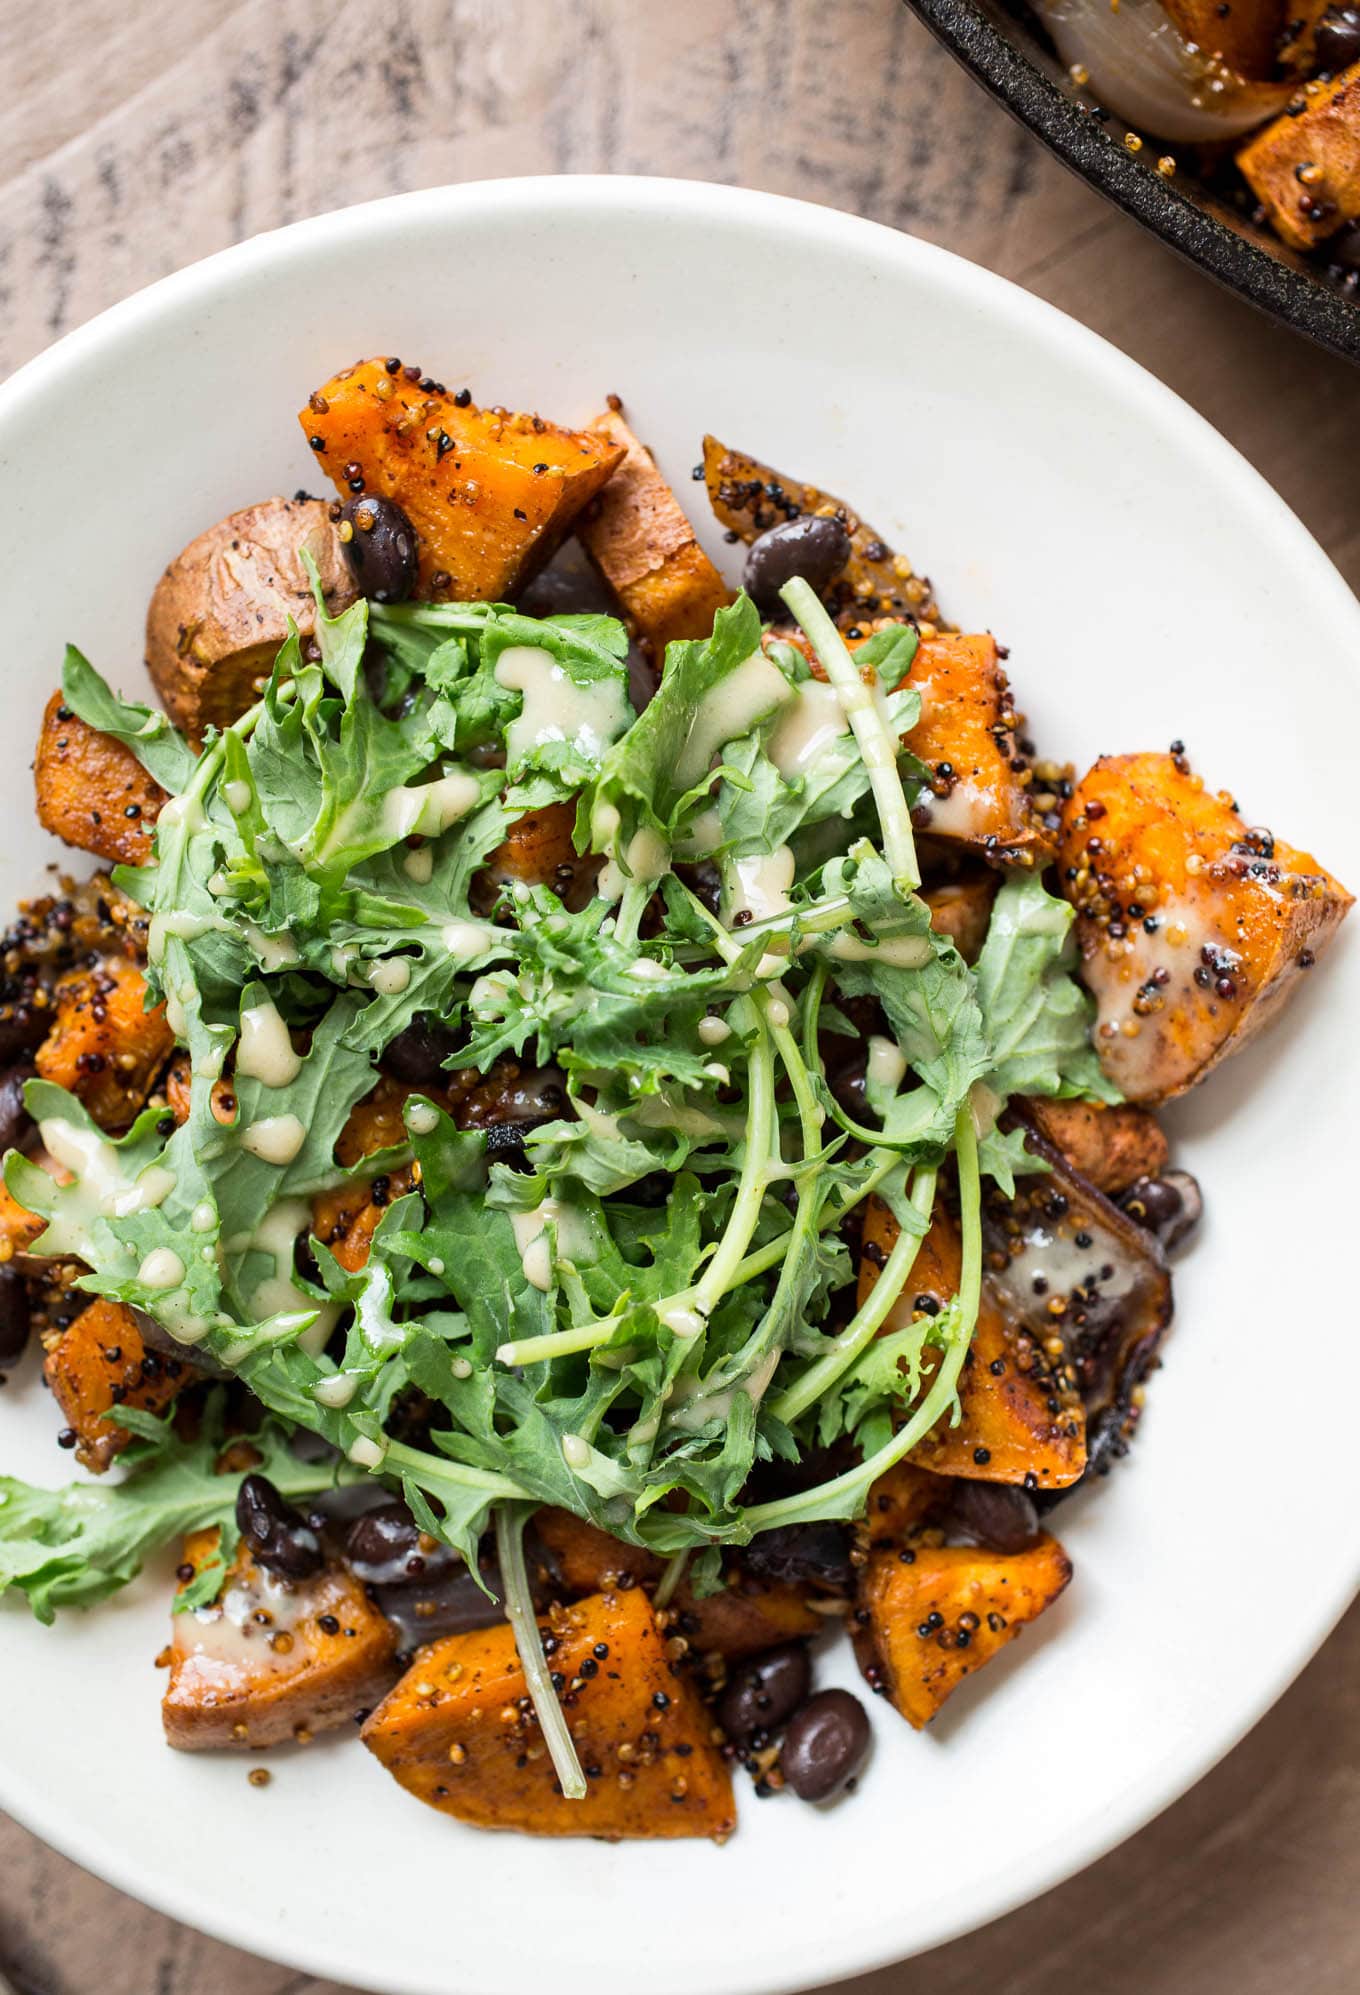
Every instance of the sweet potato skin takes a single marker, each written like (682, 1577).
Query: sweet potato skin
(220, 611)
(91, 791)
(749, 1615)
(1326, 135)
(100, 1361)
(490, 494)
(458, 1732)
(638, 537)
(983, 1599)
(104, 1045)
(1237, 917)
(749, 497)
(1009, 1430)
(1112, 1145)
(237, 1682)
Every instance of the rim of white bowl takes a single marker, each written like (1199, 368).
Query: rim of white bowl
(806, 1963)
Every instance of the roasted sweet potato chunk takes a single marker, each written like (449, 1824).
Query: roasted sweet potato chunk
(1021, 1419)
(962, 910)
(1324, 136)
(749, 498)
(1193, 926)
(272, 1659)
(177, 1081)
(1242, 35)
(1109, 1145)
(459, 1732)
(966, 736)
(92, 791)
(750, 1614)
(936, 1620)
(100, 1362)
(221, 609)
(638, 537)
(1067, 1265)
(104, 1045)
(490, 494)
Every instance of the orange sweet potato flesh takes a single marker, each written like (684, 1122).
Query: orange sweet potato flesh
(644, 547)
(983, 1599)
(1242, 35)
(490, 494)
(1007, 1431)
(749, 1615)
(91, 791)
(967, 737)
(876, 582)
(1111, 1145)
(100, 1362)
(1325, 136)
(1238, 918)
(177, 1082)
(321, 1656)
(962, 910)
(459, 1732)
(104, 1046)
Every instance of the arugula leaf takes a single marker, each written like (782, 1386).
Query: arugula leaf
(1036, 1016)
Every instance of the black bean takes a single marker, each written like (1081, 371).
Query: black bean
(763, 1692)
(14, 1316)
(381, 551)
(279, 1537)
(384, 1549)
(1169, 1206)
(451, 1604)
(417, 1055)
(802, 1554)
(14, 1119)
(824, 1745)
(19, 1034)
(1336, 41)
(811, 546)
(995, 1514)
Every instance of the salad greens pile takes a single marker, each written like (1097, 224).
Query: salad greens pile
(657, 1297)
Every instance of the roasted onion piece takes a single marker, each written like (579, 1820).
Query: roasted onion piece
(1139, 66)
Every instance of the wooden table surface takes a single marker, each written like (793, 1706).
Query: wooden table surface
(137, 137)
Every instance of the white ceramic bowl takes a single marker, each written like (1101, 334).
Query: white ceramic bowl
(1150, 586)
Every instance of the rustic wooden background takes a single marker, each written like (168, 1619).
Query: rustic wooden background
(137, 137)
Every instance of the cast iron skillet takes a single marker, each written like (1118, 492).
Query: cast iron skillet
(1005, 53)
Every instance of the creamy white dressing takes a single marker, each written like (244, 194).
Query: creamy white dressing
(277, 1294)
(899, 952)
(646, 970)
(276, 1139)
(265, 1051)
(162, 1268)
(276, 952)
(419, 865)
(748, 693)
(203, 1217)
(887, 1063)
(1140, 1053)
(390, 975)
(698, 1407)
(806, 728)
(236, 795)
(152, 1188)
(222, 1645)
(575, 1451)
(557, 707)
(680, 1321)
(422, 1118)
(646, 859)
(969, 811)
(336, 1391)
(714, 1031)
(466, 939)
(534, 1244)
(366, 1454)
(761, 885)
(187, 927)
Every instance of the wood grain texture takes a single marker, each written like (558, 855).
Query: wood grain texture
(134, 138)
